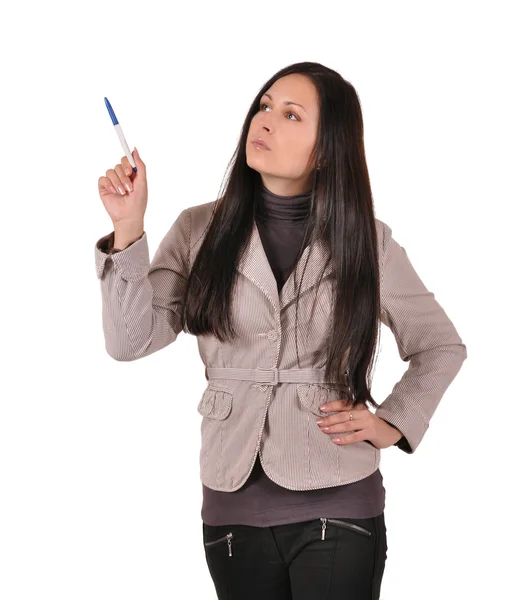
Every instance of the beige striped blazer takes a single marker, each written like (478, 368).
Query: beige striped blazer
(257, 398)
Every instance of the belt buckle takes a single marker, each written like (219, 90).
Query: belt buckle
(275, 371)
(276, 375)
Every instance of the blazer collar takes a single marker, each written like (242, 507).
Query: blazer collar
(255, 266)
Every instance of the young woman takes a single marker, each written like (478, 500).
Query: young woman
(285, 280)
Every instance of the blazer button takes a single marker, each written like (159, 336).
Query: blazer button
(272, 335)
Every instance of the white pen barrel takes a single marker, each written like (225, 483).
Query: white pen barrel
(124, 144)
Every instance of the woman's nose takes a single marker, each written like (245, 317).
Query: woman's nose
(265, 122)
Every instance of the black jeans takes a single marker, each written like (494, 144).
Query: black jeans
(337, 559)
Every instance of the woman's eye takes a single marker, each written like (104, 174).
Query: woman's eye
(288, 113)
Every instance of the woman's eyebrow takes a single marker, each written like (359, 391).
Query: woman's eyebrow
(287, 102)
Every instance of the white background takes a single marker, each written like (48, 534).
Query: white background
(100, 495)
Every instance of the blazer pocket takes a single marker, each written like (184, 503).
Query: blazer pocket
(216, 402)
(314, 395)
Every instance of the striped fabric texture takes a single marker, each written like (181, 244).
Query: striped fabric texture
(258, 401)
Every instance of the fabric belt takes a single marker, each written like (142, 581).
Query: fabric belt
(271, 376)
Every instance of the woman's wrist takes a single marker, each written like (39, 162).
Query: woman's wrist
(122, 239)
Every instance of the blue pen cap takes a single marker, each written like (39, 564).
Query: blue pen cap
(111, 112)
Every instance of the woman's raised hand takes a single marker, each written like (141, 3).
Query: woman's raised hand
(124, 193)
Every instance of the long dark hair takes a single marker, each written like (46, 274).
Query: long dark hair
(341, 212)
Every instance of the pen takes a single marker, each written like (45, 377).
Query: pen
(120, 134)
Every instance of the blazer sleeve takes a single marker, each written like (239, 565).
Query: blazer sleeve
(426, 339)
(142, 301)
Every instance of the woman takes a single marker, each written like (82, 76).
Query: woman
(285, 280)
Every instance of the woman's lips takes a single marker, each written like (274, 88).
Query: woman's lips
(260, 145)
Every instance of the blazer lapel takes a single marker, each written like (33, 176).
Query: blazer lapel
(255, 266)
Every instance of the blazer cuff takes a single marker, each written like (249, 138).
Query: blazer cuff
(132, 262)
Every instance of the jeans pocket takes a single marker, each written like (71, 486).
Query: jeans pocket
(358, 529)
(217, 541)
(220, 541)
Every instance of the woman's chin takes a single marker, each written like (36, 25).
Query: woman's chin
(256, 164)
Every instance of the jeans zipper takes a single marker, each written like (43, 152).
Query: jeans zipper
(228, 537)
(344, 524)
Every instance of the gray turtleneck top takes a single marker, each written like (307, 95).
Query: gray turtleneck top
(261, 502)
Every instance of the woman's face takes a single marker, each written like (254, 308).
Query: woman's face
(289, 130)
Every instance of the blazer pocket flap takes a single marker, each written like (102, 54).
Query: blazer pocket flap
(216, 402)
(314, 395)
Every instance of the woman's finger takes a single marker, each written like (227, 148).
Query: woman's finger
(123, 178)
(104, 184)
(115, 181)
(343, 416)
(127, 168)
(354, 425)
(359, 436)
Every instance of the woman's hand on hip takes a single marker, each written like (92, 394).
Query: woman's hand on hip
(365, 425)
